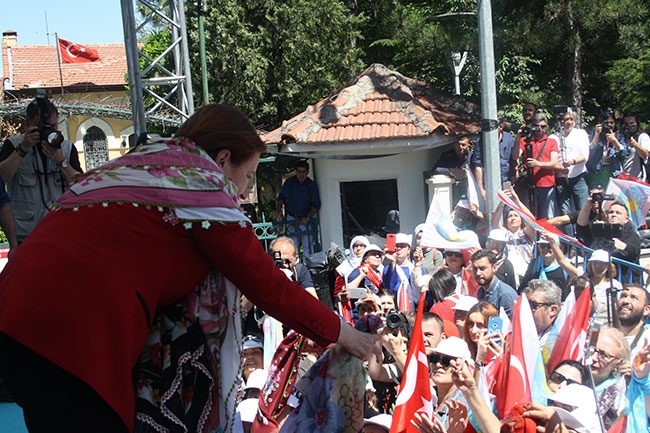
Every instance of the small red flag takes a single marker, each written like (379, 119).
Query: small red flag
(415, 389)
(75, 53)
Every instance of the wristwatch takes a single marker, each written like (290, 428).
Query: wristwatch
(63, 164)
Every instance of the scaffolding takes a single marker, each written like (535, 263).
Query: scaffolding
(151, 83)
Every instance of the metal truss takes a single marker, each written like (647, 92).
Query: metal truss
(151, 83)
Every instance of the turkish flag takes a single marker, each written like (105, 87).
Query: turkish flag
(75, 53)
(571, 339)
(415, 390)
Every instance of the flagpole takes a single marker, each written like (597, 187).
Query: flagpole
(58, 56)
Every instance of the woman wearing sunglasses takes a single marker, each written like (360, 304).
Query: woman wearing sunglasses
(566, 373)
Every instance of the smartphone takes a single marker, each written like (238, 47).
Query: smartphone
(506, 185)
(357, 292)
(390, 242)
(495, 325)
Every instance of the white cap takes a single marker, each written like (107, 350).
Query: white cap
(403, 238)
(382, 420)
(257, 379)
(372, 247)
(599, 256)
(454, 347)
(583, 418)
(465, 303)
(498, 235)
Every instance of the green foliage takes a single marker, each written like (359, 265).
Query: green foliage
(273, 58)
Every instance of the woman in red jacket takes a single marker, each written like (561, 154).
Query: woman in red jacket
(79, 296)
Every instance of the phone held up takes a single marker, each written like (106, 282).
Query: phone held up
(390, 242)
(495, 326)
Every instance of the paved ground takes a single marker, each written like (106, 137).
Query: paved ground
(11, 419)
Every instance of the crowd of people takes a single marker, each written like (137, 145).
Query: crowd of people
(183, 337)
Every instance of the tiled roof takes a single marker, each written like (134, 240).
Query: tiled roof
(36, 66)
(379, 104)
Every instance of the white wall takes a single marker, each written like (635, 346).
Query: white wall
(407, 168)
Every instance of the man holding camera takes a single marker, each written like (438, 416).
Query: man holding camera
(540, 158)
(638, 144)
(38, 165)
(615, 234)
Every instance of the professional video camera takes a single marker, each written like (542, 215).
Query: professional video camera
(529, 130)
(48, 133)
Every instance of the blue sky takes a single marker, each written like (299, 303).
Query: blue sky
(83, 22)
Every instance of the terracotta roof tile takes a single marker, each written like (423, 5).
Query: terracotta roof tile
(379, 103)
(36, 66)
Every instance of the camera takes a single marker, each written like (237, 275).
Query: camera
(395, 319)
(50, 135)
(277, 259)
(47, 132)
(601, 197)
(628, 130)
(529, 130)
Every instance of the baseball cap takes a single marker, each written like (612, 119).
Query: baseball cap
(599, 256)
(454, 347)
(372, 247)
(464, 203)
(403, 238)
(498, 235)
(251, 341)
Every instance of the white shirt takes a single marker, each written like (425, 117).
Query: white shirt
(575, 144)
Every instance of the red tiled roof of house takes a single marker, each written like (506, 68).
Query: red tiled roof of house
(379, 103)
(36, 66)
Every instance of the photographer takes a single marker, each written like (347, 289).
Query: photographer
(540, 157)
(638, 144)
(606, 152)
(617, 236)
(38, 165)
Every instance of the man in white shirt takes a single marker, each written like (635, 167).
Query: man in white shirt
(570, 178)
(638, 145)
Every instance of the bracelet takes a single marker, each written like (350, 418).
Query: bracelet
(22, 152)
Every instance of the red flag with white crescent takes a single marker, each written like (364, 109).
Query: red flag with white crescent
(75, 53)
(415, 390)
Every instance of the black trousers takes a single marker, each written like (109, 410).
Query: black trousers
(52, 399)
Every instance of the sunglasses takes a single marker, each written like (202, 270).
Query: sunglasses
(453, 254)
(534, 306)
(444, 360)
(558, 378)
